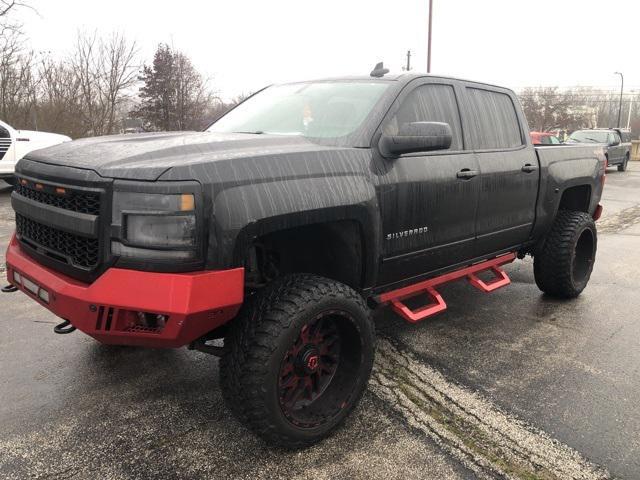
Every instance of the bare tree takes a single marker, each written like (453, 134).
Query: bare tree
(105, 70)
(60, 106)
(7, 24)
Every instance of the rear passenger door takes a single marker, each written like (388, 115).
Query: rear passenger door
(509, 170)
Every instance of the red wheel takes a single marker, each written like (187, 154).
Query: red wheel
(309, 367)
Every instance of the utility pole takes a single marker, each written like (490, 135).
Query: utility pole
(429, 42)
(408, 67)
(630, 108)
(621, 91)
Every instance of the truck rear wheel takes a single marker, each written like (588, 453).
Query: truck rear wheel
(298, 359)
(562, 266)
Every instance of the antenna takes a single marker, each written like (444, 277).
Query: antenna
(379, 70)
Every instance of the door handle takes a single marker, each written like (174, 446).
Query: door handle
(466, 174)
(528, 168)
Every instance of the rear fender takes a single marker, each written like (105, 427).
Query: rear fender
(559, 173)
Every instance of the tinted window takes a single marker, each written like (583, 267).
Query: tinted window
(429, 103)
(589, 136)
(494, 120)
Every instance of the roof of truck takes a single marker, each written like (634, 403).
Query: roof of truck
(404, 77)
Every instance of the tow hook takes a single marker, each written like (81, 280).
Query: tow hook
(9, 289)
(64, 327)
(201, 345)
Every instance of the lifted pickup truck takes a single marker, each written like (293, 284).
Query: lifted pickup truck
(268, 238)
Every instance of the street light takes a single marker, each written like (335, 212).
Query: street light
(429, 42)
(621, 90)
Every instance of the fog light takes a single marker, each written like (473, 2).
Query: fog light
(29, 285)
(17, 278)
(44, 295)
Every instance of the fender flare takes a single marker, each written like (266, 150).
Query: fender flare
(245, 212)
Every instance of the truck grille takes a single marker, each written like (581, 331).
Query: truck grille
(63, 246)
(5, 141)
(76, 201)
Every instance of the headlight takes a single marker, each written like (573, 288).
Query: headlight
(155, 225)
(160, 231)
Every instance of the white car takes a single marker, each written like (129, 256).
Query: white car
(15, 144)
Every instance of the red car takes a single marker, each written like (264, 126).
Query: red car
(544, 138)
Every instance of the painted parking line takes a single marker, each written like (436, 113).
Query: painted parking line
(488, 441)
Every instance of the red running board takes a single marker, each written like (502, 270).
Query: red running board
(437, 304)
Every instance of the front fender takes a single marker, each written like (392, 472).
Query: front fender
(242, 213)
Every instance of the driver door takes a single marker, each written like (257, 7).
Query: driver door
(428, 200)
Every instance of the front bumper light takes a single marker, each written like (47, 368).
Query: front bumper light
(155, 225)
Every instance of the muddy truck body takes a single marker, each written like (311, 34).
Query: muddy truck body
(268, 238)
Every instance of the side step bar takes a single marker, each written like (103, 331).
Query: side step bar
(437, 304)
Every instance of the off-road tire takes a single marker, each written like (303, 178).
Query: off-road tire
(562, 265)
(623, 166)
(260, 339)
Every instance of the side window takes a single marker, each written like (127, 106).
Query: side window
(554, 140)
(494, 122)
(430, 103)
(611, 138)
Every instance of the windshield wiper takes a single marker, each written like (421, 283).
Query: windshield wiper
(256, 132)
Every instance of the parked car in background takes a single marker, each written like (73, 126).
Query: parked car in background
(616, 141)
(544, 138)
(15, 144)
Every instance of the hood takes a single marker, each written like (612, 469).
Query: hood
(147, 156)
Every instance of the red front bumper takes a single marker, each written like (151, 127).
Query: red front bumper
(192, 303)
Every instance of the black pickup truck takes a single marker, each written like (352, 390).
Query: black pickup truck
(268, 238)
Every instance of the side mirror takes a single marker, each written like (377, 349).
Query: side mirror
(416, 137)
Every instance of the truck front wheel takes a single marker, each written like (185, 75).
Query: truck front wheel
(298, 358)
(562, 265)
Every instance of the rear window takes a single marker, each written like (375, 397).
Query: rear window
(494, 122)
(590, 136)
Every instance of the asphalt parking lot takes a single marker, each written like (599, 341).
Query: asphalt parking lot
(507, 385)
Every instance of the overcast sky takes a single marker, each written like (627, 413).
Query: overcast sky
(243, 45)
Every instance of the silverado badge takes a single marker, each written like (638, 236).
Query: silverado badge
(407, 233)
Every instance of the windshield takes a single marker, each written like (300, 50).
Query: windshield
(320, 110)
(589, 136)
